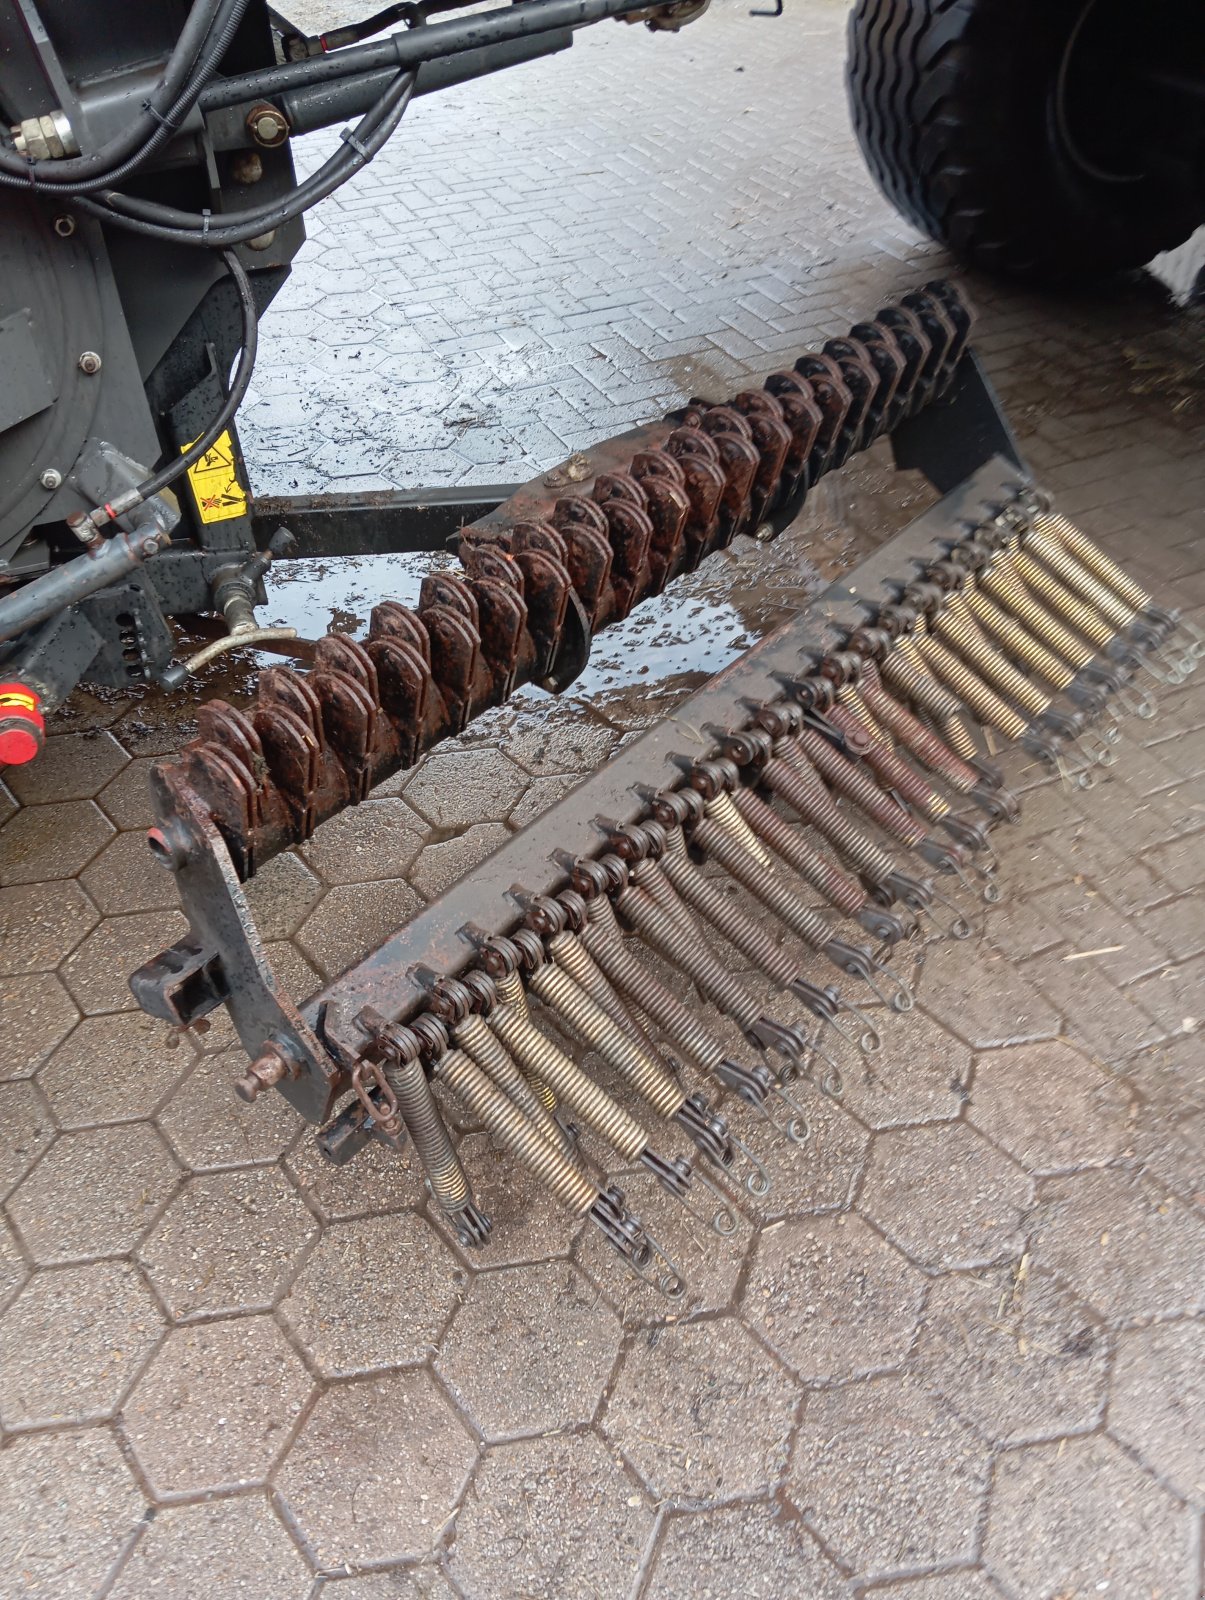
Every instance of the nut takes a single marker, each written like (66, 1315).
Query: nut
(90, 363)
(64, 226)
(51, 478)
(267, 125)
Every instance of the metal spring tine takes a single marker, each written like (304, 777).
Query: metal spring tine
(1196, 636)
(798, 1129)
(759, 1182)
(754, 1086)
(957, 928)
(669, 1280)
(901, 999)
(725, 1220)
(832, 1083)
(869, 1042)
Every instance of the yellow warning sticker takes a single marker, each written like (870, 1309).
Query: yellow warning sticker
(215, 482)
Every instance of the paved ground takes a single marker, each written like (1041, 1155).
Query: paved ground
(959, 1353)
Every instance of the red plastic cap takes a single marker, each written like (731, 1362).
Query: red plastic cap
(17, 745)
(21, 724)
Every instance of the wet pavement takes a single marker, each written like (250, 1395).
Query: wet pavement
(956, 1353)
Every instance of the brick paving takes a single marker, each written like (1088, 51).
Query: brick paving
(956, 1354)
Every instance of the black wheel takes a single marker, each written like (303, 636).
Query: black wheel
(1050, 139)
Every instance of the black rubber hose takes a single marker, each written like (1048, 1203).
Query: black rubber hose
(60, 175)
(238, 228)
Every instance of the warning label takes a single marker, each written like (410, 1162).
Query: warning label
(215, 482)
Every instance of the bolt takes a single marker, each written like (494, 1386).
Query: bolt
(89, 362)
(764, 532)
(261, 240)
(51, 478)
(64, 226)
(267, 125)
(267, 1070)
(150, 545)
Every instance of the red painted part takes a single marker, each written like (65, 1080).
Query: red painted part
(22, 726)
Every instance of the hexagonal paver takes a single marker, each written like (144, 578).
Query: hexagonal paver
(982, 998)
(1078, 1517)
(40, 923)
(583, 1524)
(818, 1175)
(1049, 1107)
(114, 1068)
(230, 1547)
(377, 1469)
(352, 919)
(709, 1262)
(126, 877)
(13, 1270)
(945, 1196)
(282, 893)
(758, 1552)
(1130, 1250)
(552, 1345)
(889, 1479)
(47, 842)
(97, 973)
(348, 1328)
(832, 1297)
(1017, 1355)
(377, 1182)
(126, 799)
(701, 1411)
(539, 795)
(965, 1584)
(70, 1505)
(94, 1193)
(228, 1242)
(216, 1406)
(396, 1583)
(529, 1225)
(560, 739)
(72, 766)
(25, 1131)
(36, 1012)
(457, 789)
(1157, 1402)
(209, 1126)
(918, 1076)
(93, 1328)
(442, 864)
(366, 843)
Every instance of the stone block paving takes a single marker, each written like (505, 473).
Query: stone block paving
(956, 1354)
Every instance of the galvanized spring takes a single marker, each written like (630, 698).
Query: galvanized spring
(604, 940)
(838, 887)
(1069, 606)
(720, 807)
(648, 1076)
(473, 1034)
(507, 1124)
(1050, 550)
(1096, 561)
(750, 937)
(928, 747)
(680, 942)
(568, 951)
(850, 695)
(851, 716)
(1018, 641)
(905, 667)
(1003, 581)
(581, 1094)
(858, 786)
(982, 699)
(956, 626)
(791, 775)
(447, 1177)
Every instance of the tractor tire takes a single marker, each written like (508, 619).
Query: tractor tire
(961, 109)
